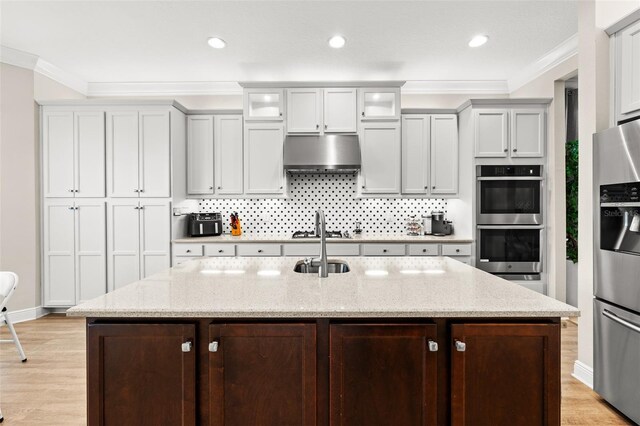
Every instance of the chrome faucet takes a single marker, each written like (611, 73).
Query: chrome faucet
(321, 262)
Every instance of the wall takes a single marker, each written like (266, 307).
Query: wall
(19, 212)
(46, 89)
(442, 100)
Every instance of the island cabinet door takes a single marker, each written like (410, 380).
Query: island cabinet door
(383, 374)
(141, 374)
(505, 374)
(262, 374)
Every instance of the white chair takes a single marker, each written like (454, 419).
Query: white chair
(8, 284)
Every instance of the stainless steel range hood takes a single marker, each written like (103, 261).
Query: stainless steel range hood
(321, 153)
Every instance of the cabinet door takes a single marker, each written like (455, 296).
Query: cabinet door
(59, 262)
(155, 154)
(264, 104)
(57, 154)
(228, 154)
(91, 249)
(527, 132)
(200, 154)
(304, 109)
(122, 154)
(340, 111)
(123, 242)
(508, 374)
(444, 154)
(380, 150)
(263, 152)
(89, 154)
(416, 136)
(629, 63)
(383, 374)
(155, 236)
(491, 132)
(141, 374)
(263, 374)
(380, 104)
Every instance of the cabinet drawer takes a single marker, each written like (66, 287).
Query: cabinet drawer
(258, 250)
(343, 249)
(191, 250)
(456, 250)
(302, 249)
(383, 249)
(219, 250)
(423, 249)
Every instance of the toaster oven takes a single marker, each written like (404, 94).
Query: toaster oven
(205, 224)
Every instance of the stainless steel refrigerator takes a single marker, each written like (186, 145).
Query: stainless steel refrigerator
(617, 267)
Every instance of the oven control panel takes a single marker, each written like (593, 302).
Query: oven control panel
(620, 193)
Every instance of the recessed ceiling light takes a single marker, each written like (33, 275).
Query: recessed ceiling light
(337, 41)
(478, 41)
(217, 43)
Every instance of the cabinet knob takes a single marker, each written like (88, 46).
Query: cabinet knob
(433, 346)
(141, 190)
(433, 187)
(384, 250)
(213, 346)
(457, 250)
(71, 208)
(424, 250)
(317, 126)
(186, 347)
(219, 187)
(362, 186)
(280, 114)
(220, 251)
(515, 149)
(211, 187)
(260, 251)
(188, 251)
(325, 127)
(71, 190)
(136, 190)
(281, 187)
(363, 113)
(505, 150)
(460, 346)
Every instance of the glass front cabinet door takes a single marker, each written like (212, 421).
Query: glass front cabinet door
(380, 104)
(264, 104)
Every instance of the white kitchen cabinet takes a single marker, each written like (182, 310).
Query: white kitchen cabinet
(263, 157)
(228, 154)
(377, 249)
(138, 239)
(304, 110)
(416, 145)
(491, 128)
(527, 132)
(380, 151)
(263, 104)
(444, 154)
(73, 156)
(255, 249)
(627, 66)
(340, 110)
(74, 251)
(379, 103)
(200, 158)
(138, 154)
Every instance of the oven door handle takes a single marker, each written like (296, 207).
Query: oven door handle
(518, 178)
(507, 227)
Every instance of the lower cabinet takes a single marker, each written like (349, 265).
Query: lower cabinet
(383, 374)
(262, 374)
(141, 374)
(505, 374)
(323, 372)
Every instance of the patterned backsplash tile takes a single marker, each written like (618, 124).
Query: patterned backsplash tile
(335, 194)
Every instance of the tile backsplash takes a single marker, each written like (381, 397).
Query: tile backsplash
(333, 193)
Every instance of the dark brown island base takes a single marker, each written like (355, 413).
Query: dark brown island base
(247, 342)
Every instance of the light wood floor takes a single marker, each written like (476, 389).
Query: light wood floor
(49, 389)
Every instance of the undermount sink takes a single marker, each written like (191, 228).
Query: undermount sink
(334, 267)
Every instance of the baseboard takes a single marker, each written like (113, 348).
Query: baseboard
(28, 314)
(583, 372)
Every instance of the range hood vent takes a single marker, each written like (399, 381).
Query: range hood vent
(322, 153)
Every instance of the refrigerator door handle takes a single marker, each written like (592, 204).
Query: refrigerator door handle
(623, 322)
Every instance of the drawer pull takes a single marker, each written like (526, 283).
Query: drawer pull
(461, 346)
(220, 251)
(213, 346)
(424, 250)
(384, 250)
(188, 251)
(186, 347)
(259, 250)
(457, 250)
(433, 346)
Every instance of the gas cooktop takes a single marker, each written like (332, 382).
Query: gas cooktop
(312, 234)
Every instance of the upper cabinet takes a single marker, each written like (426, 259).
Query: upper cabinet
(264, 104)
(380, 151)
(340, 110)
(304, 108)
(416, 143)
(321, 110)
(200, 154)
(263, 158)
(627, 72)
(138, 154)
(380, 104)
(229, 164)
(73, 153)
(517, 132)
(444, 154)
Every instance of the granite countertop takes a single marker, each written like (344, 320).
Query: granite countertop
(356, 238)
(376, 287)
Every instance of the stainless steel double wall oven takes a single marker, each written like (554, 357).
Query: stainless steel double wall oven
(509, 219)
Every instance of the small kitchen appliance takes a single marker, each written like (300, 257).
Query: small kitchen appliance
(205, 224)
(439, 225)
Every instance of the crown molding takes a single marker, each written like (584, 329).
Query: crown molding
(164, 88)
(420, 87)
(555, 56)
(61, 76)
(17, 58)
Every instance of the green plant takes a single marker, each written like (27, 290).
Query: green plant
(571, 159)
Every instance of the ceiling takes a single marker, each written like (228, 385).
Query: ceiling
(152, 41)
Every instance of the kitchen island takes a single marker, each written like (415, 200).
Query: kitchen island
(402, 341)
